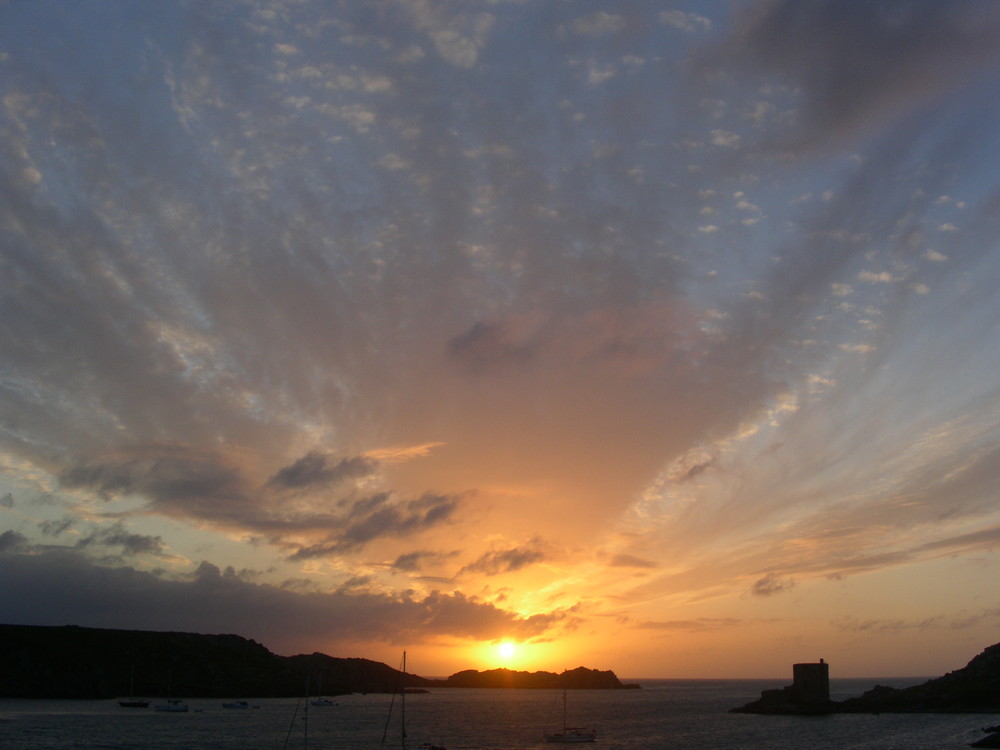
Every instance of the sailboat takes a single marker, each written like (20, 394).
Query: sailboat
(173, 705)
(571, 734)
(402, 718)
(237, 704)
(320, 701)
(132, 701)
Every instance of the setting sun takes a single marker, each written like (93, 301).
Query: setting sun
(512, 654)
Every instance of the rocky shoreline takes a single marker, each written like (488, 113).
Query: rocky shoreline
(992, 738)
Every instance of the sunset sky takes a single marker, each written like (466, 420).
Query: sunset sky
(661, 337)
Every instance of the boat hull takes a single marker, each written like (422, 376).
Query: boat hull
(572, 736)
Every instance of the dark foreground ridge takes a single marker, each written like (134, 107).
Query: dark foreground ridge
(973, 689)
(93, 663)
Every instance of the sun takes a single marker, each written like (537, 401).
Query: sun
(507, 650)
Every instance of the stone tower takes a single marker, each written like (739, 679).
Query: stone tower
(811, 683)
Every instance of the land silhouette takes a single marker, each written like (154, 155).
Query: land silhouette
(975, 688)
(94, 663)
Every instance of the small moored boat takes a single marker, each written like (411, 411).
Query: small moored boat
(134, 703)
(571, 734)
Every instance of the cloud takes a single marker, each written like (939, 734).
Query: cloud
(903, 57)
(56, 527)
(854, 625)
(317, 469)
(701, 625)
(496, 562)
(598, 23)
(402, 453)
(689, 22)
(12, 541)
(984, 539)
(725, 139)
(167, 474)
(629, 561)
(183, 482)
(458, 37)
(57, 587)
(411, 561)
(379, 516)
(131, 544)
(771, 584)
(489, 347)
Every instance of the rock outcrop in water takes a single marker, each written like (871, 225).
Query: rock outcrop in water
(75, 662)
(579, 678)
(809, 693)
(973, 689)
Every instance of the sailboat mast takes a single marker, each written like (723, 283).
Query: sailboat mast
(402, 710)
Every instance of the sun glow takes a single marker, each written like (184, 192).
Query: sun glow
(510, 653)
(506, 650)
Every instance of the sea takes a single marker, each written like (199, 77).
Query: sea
(668, 714)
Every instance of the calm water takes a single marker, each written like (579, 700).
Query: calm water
(675, 714)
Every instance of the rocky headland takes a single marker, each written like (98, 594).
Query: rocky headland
(973, 689)
(93, 663)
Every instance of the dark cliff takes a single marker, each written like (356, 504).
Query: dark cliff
(973, 689)
(91, 663)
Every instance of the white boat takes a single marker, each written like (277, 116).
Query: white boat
(236, 704)
(571, 734)
(172, 706)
